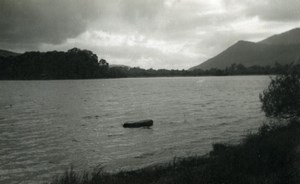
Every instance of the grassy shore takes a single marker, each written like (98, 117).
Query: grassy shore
(265, 157)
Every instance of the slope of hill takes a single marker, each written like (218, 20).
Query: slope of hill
(6, 53)
(286, 38)
(119, 66)
(283, 49)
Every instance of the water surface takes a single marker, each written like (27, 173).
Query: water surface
(47, 126)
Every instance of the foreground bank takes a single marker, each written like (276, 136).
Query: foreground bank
(268, 156)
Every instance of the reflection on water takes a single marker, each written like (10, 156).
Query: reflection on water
(47, 126)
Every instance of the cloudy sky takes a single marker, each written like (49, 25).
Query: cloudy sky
(172, 34)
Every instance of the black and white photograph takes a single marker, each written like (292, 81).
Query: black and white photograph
(149, 92)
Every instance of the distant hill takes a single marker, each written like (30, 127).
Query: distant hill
(282, 48)
(119, 66)
(286, 38)
(6, 53)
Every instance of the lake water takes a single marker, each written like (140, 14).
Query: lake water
(47, 126)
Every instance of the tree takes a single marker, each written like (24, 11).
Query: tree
(282, 97)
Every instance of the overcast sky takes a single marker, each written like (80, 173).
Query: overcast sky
(172, 34)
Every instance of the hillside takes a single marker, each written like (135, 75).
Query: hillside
(6, 53)
(120, 66)
(283, 49)
(286, 38)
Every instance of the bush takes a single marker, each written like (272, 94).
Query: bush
(282, 97)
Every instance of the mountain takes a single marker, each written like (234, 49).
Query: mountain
(282, 48)
(6, 53)
(286, 38)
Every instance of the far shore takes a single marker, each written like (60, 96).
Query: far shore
(138, 77)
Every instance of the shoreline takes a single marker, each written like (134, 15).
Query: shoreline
(268, 155)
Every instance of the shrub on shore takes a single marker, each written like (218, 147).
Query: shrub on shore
(282, 98)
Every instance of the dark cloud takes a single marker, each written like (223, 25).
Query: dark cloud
(277, 10)
(137, 11)
(270, 10)
(31, 22)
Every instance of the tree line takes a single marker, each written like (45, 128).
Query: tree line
(73, 64)
(234, 69)
(83, 64)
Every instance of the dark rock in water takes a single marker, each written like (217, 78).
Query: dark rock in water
(138, 124)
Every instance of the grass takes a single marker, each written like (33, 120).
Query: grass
(265, 157)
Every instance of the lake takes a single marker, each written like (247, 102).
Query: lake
(47, 126)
